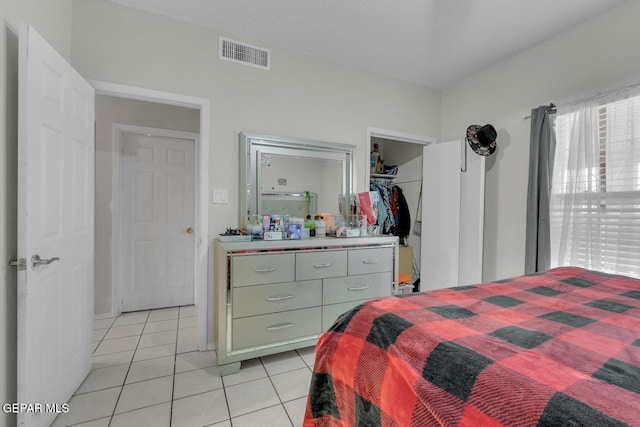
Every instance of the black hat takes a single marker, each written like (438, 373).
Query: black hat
(482, 139)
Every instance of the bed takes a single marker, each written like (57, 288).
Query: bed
(557, 348)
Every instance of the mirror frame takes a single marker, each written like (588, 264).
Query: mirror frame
(253, 145)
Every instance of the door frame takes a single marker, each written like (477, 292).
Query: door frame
(398, 136)
(393, 135)
(201, 270)
(118, 135)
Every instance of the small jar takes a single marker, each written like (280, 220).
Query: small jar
(321, 228)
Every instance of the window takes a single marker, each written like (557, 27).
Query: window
(595, 200)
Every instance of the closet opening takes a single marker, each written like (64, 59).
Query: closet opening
(395, 160)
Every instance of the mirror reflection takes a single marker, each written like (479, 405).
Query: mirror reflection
(314, 182)
(292, 177)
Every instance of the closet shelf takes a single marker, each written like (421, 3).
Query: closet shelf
(383, 176)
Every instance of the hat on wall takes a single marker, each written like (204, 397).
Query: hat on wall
(482, 139)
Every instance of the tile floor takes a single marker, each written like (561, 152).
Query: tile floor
(147, 371)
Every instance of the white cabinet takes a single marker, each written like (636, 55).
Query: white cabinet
(278, 296)
(452, 216)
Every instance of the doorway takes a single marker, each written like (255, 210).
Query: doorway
(405, 151)
(110, 291)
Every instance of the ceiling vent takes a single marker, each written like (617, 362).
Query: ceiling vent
(236, 51)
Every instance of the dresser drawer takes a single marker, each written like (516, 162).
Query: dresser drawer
(263, 268)
(354, 288)
(318, 265)
(277, 327)
(331, 312)
(371, 260)
(263, 299)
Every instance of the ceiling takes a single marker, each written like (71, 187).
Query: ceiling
(431, 42)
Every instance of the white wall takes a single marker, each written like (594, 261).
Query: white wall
(598, 55)
(53, 21)
(301, 96)
(110, 110)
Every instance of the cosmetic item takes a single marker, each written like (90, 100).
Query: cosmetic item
(295, 231)
(295, 226)
(329, 221)
(321, 230)
(363, 226)
(276, 223)
(256, 230)
(272, 235)
(310, 225)
(353, 232)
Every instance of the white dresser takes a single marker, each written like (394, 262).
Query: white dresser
(281, 295)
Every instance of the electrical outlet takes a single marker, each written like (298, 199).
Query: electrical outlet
(282, 181)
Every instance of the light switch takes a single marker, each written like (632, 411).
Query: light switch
(220, 196)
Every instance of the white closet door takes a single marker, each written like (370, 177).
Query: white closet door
(440, 215)
(452, 216)
(471, 219)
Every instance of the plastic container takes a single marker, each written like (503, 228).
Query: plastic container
(321, 228)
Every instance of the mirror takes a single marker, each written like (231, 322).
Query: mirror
(292, 176)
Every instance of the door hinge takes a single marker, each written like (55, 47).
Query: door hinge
(21, 263)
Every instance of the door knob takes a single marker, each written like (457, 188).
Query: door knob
(36, 261)
(189, 230)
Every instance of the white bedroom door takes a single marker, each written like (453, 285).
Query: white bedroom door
(158, 216)
(55, 228)
(452, 216)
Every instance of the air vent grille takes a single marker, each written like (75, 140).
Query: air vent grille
(243, 53)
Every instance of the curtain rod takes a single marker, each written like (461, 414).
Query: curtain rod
(553, 111)
(598, 95)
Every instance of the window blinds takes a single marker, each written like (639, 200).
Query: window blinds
(595, 206)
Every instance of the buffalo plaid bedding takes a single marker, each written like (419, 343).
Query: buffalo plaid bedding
(561, 348)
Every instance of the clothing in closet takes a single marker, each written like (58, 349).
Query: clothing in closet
(393, 212)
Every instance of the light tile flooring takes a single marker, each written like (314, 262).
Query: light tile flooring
(147, 371)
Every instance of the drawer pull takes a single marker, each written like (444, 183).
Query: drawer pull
(328, 264)
(265, 269)
(369, 261)
(358, 288)
(277, 298)
(280, 326)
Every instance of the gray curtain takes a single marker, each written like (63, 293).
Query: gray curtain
(541, 155)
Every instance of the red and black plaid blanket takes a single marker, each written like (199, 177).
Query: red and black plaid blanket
(560, 348)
